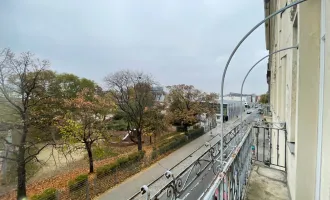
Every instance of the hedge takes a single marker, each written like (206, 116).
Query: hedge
(166, 136)
(120, 163)
(100, 153)
(48, 194)
(79, 182)
(181, 129)
(177, 141)
(118, 125)
(193, 134)
(170, 138)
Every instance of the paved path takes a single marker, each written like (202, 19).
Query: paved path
(132, 185)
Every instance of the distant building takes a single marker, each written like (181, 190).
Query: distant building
(248, 99)
(159, 93)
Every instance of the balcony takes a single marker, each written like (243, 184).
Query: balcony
(257, 169)
(267, 183)
(253, 168)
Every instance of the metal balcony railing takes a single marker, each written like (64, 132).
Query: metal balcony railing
(195, 178)
(231, 182)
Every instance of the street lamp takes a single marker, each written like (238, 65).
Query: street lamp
(233, 53)
(247, 74)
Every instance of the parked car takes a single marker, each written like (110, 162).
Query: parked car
(249, 112)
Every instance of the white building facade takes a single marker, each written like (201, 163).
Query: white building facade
(299, 84)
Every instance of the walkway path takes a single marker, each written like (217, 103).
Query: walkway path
(132, 185)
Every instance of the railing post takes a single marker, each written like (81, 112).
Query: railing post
(57, 195)
(116, 176)
(87, 190)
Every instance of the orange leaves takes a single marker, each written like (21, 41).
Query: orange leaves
(186, 103)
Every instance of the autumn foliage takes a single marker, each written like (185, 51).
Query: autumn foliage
(84, 121)
(187, 104)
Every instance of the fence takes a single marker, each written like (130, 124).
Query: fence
(92, 187)
(202, 170)
(270, 144)
(231, 182)
(191, 177)
(88, 188)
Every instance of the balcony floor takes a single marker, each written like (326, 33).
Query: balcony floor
(267, 184)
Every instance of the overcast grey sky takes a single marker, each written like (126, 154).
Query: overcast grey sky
(177, 41)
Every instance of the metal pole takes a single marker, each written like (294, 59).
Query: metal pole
(293, 47)
(233, 53)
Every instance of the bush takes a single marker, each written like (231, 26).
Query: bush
(79, 182)
(120, 163)
(106, 170)
(170, 138)
(154, 154)
(175, 143)
(119, 115)
(196, 126)
(181, 129)
(166, 136)
(100, 153)
(193, 134)
(136, 156)
(48, 194)
(117, 125)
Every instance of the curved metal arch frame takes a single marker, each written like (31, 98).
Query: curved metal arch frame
(236, 48)
(247, 74)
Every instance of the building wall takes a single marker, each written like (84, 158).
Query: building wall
(294, 92)
(325, 167)
(307, 98)
(236, 98)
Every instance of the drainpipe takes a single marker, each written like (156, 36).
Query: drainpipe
(321, 103)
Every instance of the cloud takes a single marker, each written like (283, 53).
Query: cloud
(184, 41)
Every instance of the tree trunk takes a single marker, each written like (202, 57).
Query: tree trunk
(90, 156)
(150, 137)
(21, 171)
(139, 137)
(133, 139)
(21, 174)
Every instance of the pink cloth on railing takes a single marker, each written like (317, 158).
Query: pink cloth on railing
(225, 196)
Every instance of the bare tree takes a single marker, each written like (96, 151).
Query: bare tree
(22, 85)
(132, 93)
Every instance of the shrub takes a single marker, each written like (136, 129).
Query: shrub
(120, 163)
(118, 125)
(175, 143)
(79, 182)
(106, 170)
(170, 139)
(100, 153)
(118, 115)
(193, 134)
(196, 126)
(166, 136)
(136, 156)
(181, 129)
(48, 194)
(154, 154)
